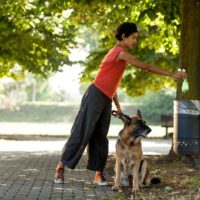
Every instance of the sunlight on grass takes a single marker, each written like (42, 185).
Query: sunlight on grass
(63, 129)
(193, 182)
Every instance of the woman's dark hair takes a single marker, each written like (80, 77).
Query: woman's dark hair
(126, 28)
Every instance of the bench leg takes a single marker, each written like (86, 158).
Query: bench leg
(166, 132)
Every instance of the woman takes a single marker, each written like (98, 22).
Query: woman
(92, 122)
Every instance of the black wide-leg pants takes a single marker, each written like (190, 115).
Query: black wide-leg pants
(90, 128)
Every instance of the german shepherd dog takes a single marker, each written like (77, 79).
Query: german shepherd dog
(130, 167)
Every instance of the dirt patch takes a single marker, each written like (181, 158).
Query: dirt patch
(180, 180)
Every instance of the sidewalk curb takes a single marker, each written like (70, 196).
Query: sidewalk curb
(47, 137)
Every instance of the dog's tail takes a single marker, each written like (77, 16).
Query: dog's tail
(155, 181)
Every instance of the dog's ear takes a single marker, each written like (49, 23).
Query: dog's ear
(126, 119)
(139, 114)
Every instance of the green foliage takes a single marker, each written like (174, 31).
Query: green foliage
(153, 105)
(42, 113)
(37, 36)
(31, 88)
(37, 89)
(159, 35)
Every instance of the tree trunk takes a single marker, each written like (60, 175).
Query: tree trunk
(189, 58)
(190, 49)
(33, 94)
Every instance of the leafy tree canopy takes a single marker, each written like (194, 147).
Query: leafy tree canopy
(35, 35)
(38, 36)
(158, 43)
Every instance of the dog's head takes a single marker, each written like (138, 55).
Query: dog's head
(140, 126)
(136, 124)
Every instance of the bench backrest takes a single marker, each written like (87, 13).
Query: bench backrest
(167, 119)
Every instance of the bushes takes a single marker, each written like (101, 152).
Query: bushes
(153, 105)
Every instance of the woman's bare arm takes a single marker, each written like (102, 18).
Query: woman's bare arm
(148, 67)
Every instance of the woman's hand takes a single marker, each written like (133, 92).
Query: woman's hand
(119, 110)
(180, 74)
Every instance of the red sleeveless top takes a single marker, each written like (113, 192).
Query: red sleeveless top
(110, 72)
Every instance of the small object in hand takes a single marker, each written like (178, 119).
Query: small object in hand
(185, 85)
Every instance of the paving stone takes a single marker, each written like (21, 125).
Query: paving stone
(29, 176)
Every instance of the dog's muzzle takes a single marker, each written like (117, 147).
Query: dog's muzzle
(142, 132)
(141, 129)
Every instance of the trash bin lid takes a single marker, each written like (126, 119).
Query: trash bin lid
(191, 107)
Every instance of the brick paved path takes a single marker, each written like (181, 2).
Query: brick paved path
(29, 176)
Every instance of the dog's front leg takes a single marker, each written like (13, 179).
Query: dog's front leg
(117, 173)
(136, 176)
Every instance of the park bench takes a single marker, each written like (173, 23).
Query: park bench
(166, 122)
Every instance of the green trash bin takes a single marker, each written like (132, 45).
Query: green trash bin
(186, 137)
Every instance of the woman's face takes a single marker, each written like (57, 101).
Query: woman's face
(130, 41)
